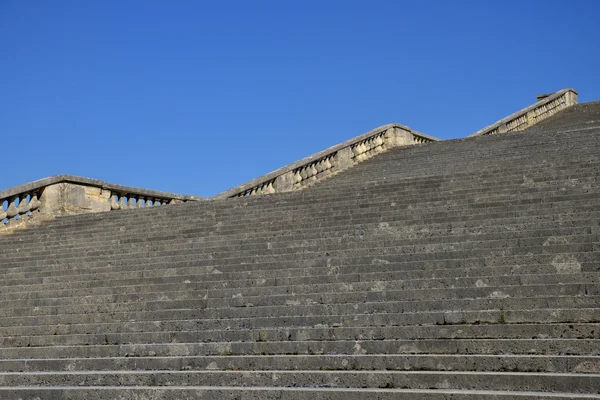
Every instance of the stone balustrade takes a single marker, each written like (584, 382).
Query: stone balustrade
(368, 147)
(19, 207)
(263, 188)
(66, 195)
(330, 161)
(124, 201)
(314, 171)
(546, 106)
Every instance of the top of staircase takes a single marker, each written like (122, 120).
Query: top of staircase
(579, 116)
(90, 195)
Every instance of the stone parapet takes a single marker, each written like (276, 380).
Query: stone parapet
(68, 195)
(546, 106)
(329, 161)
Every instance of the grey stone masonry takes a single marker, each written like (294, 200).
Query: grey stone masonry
(465, 269)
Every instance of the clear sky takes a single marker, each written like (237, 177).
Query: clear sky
(196, 97)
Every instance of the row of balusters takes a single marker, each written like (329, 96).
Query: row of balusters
(126, 201)
(263, 188)
(22, 205)
(542, 112)
(518, 124)
(18, 206)
(550, 108)
(317, 169)
(420, 139)
(369, 147)
(314, 170)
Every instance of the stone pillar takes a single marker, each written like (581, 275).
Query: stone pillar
(284, 183)
(572, 98)
(343, 159)
(531, 120)
(397, 136)
(70, 198)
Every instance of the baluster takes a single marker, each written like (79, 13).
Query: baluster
(122, 202)
(362, 149)
(114, 204)
(313, 170)
(303, 173)
(379, 143)
(12, 211)
(34, 201)
(3, 214)
(327, 164)
(24, 205)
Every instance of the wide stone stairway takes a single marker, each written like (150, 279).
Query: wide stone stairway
(463, 269)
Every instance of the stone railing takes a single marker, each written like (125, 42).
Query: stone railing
(330, 161)
(547, 106)
(66, 195)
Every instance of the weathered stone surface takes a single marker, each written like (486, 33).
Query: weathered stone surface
(463, 269)
(68, 198)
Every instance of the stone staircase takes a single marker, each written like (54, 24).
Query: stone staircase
(463, 269)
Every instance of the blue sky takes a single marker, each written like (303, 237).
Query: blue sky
(196, 97)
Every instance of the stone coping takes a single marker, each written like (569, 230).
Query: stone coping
(41, 183)
(317, 156)
(523, 111)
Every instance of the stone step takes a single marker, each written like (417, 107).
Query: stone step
(271, 393)
(252, 297)
(564, 261)
(375, 231)
(390, 215)
(50, 264)
(396, 228)
(380, 172)
(441, 312)
(297, 285)
(335, 259)
(368, 245)
(552, 346)
(157, 278)
(390, 362)
(140, 213)
(445, 199)
(299, 250)
(488, 325)
(471, 380)
(154, 286)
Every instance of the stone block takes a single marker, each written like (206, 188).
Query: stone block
(396, 136)
(70, 198)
